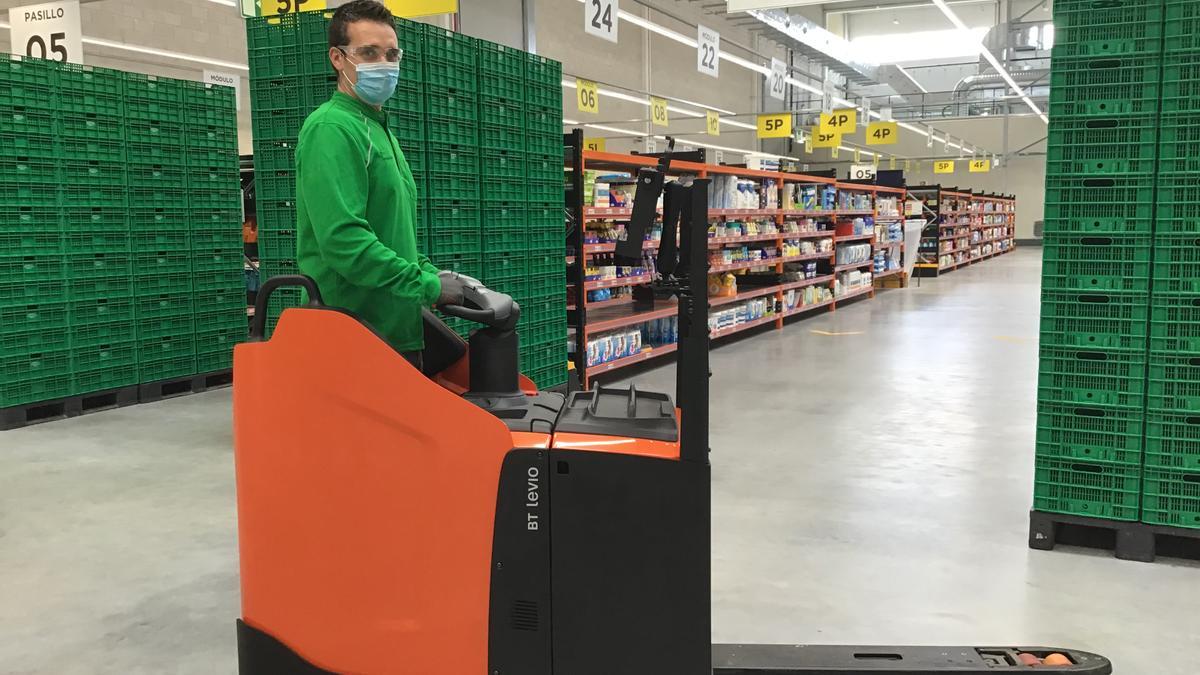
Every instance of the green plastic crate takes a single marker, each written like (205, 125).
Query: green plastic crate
(104, 333)
(502, 112)
(85, 241)
(44, 316)
(1179, 143)
(165, 332)
(99, 220)
(103, 380)
(406, 125)
(27, 82)
(443, 242)
(98, 195)
(1102, 101)
(101, 357)
(199, 136)
(107, 174)
(278, 125)
(1097, 225)
(30, 366)
(27, 145)
(35, 341)
(214, 361)
(551, 377)
(500, 60)
(209, 199)
(542, 71)
(495, 88)
(32, 268)
(1091, 418)
(544, 144)
(1080, 19)
(162, 262)
(1090, 389)
(155, 370)
(502, 165)
(32, 241)
(453, 103)
(282, 93)
(221, 338)
(1089, 447)
(539, 357)
(27, 121)
(1101, 135)
(1171, 498)
(1173, 436)
(24, 217)
(1180, 393)
(1096, 489)
(145, 244)
(1177, 265)
(1104, 365)
(1101, 159)
(501, 139)
(225, 301)
(275, 214)
(13, 393)
(212, 260)
(99, 288)
(1178, 204)
(453, 160)
(455, 186)
(90, 125)
(274, 157)
(43, 194)
(548, 96)
(1182, 27)
(101, 310)
(468, 264)
(163, 305)
(1127, 39)
(1096, 275)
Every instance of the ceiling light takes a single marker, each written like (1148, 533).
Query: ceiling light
(895, 22)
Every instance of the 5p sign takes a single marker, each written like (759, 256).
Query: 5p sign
(601, 18)
(943, 166)
(882, 133)
(775, 126)
(47, 31)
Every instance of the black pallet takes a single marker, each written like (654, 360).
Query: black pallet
(1141, 542)
(20, 416)
(180, 386)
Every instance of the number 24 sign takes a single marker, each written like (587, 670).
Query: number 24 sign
(601, 18)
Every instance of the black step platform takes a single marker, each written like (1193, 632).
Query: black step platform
(179, 386)
(875, 660)
(20, 416)
(1140, 542)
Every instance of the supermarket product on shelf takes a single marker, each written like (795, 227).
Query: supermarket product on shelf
(604, 266)
(730, 316)
(732, 192)
(734, 228)
(851, 281)
(887, 206)
(849, 254)
(722, 285)
(613, 346)
(854, 201)
(797, 298)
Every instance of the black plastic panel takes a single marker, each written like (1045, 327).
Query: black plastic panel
(607, 411)
(535, 414)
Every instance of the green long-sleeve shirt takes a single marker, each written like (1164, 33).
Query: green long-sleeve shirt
(356, 220)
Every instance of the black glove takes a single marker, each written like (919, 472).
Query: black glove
(452, 288)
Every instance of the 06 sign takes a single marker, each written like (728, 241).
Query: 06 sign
(601, 18)
(47, 31)
(587, 95)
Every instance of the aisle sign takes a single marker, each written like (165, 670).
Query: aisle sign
(594, 144)
(273, 7)
(47, 31)
(808, 146)
(943, 166)
(980, 166)
(828, 92)
(601, 18)
(409, 9)
(882, 133)
(862, 172)
(908, 165)
(589, 99)
(825, 139)
(875, 160)
(777, 125)
(840, 121)
(712, 123)
(857, 156)
(227, 80)
(892, 163)
(929, 139)
(777, 79)
(866, 108)
(658, 111)
(833, 152)
(708, 51)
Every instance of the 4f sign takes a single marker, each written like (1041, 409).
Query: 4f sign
(882, 133)
(47, 31)
(943, 166)
(775, 126)
(840, 121)
(708, 51)
(777, 79)
(601, 18)
(980, 165)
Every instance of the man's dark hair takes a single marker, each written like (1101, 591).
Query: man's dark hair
(352, 12)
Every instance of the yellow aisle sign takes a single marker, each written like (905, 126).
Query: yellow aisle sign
(943, 166)
(882, 133)
(857, 156)
(658, 111)
(808, 146)
(981, 165)
(589, 99)
(892, 163)
(875, 160)
(712, 123)
(908, 165)
(273, 7)
(775, 126)
(839, 121)
(593, 144)
(413, 8)
(823, 139)
(833, 152)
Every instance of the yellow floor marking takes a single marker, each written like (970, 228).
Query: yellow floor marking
(852, 332)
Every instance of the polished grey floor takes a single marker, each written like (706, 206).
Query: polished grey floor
(871, 485)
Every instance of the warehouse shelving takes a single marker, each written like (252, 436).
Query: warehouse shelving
(591, 317)
(956, 216)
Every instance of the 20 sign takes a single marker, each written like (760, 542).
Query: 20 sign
(777, 79)
(48, 31)
(601, 18)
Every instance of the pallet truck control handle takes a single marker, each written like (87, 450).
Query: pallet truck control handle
(485, 306)
(258, 328)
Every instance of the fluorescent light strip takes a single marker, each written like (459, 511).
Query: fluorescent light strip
(620, 96)
(227, 3)
(995, 63)
(155, 52)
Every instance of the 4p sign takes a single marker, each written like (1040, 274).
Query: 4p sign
(980, 166)
(882, 133)
(839, 121)
(775, 126)
(47, 31)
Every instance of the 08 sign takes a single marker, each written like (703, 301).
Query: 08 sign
(602, 18)
(47, 31)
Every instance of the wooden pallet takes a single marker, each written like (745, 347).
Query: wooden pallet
(180, 386)
(20, 416)
(1141, 542)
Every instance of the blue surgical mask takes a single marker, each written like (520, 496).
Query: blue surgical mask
(376, 81)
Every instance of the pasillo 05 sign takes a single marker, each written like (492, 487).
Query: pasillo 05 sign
(47, 31)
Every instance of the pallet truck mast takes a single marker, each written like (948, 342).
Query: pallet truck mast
(460, 522)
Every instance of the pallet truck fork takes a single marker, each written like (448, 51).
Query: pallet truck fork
(459, 522)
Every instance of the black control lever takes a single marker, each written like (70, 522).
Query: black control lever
(485, 306)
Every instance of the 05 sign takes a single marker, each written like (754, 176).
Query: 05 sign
(601, 18)
(48, 31)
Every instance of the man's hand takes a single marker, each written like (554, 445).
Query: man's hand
(452, 288)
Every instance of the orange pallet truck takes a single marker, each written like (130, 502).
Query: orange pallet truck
(460, 522)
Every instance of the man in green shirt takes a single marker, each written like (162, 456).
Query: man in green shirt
(356, 198)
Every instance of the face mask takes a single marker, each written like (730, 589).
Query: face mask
(376, 81)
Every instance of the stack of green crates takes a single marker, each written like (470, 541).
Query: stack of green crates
(1098, 240)
(96, 237)
(480, 125)
(1171, 486)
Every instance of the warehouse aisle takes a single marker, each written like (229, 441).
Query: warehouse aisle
(872, 475)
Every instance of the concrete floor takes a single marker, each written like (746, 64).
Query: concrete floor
(871, 485)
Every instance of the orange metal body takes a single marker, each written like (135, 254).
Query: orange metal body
(366, 500)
